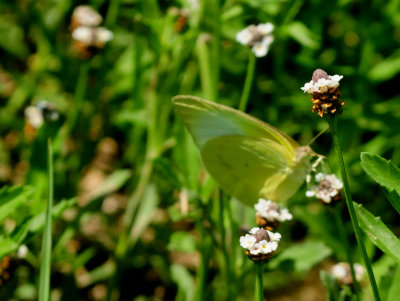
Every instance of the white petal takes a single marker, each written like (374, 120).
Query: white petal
(265, 28)
(260, 49)
(244, 36)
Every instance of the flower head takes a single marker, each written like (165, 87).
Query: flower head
(325, 93)
(328, 188)
(41, 112)
(269, 215)
(260, 244)
(87, 35)
(84, 15)
(258, 37)
(341, 271)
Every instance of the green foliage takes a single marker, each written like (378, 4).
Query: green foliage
(378, 232)
(384, 173)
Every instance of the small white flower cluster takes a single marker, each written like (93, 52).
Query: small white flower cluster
(92, 35)
(36, 115)
(86, 21)
(84, 15)
(258, 37)
(271, 211)
(329, 187)
(341, 271)
(322, 85)
(260, 241)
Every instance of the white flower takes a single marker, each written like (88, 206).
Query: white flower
(86, 16)
(261, 49)
(248, 241)
(34, 116)
(254, 230)
(322, 85)
(244, 36)
(329, 186)
(259, 38)
(260, 241)
(265, 28)
(341, 271)
(264, 247)
(104, 35)
(271, 211)
(92, 35)
(275, 237)
(22, 251)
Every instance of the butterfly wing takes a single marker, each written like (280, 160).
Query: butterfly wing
(243, 165)
(247, 157)
(206, 120)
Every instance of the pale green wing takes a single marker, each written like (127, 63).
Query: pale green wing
(207, 120)
(247, 157)
(243, 166)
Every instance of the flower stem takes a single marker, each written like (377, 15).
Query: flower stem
(45, 266)
(343, 237)
(248, 82)
(357, 230)
(259, 293)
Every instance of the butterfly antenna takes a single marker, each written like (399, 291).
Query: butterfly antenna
(318, 135)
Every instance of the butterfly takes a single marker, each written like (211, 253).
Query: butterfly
(247, 157)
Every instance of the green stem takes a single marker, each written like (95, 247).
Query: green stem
(343, 238)
(80, 92)
(112, 13)
(202, 271)
(226, 255)
(248, 82)
(259, 292)
(45, 266)
(357, 230)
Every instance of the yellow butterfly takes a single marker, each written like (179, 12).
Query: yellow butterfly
(247, 157)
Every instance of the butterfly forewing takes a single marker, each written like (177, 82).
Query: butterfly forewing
(206, 120)
(247, 157)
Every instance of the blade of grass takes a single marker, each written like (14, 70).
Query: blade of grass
(45, 266)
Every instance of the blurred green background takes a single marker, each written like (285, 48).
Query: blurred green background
(137, 217)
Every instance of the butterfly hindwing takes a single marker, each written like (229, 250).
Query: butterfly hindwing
(241, 165)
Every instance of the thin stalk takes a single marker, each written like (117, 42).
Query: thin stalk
(259, 290)
(202, 272)
(80, 92)
(251, 66)
(112, 13)
(343, 238)
(357, 230)
(45, 266)
(226, 255)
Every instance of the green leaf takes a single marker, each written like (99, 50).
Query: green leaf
(377, 231)
(36, 224)
(394, 290)
(386, 281)
(182, 242)
(7, 246)
(301, 257)
(181, 276)
(331, 285)
(381, 170)
(113, 182)
(299, 32)
(11, 198)
(384, 173)
(393, 197)
(385, 69)
(148, 205)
